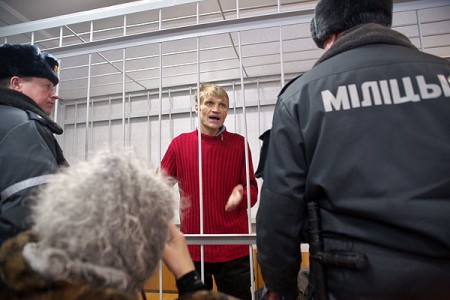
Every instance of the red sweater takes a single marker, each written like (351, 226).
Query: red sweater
(223, 167)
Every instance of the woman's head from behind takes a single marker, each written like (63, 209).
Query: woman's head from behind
(104, 220)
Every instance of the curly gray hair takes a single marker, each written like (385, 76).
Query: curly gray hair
(104, 220)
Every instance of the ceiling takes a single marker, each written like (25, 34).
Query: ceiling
(18, 11)
(173, 43)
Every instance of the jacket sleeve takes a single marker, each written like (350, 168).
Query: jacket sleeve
(281, 216)
(25, 161)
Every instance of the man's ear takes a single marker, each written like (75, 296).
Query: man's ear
(15, 83)
(331, 41)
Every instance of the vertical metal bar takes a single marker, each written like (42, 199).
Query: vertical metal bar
(160, 103)
(91, 138)
(234, 105)
(160, 19)
(32, 38)
(279, 5)
(419, 28)
(123, 97)
(198, 12)
(91, 32)
(159, 137)
(259, 111)
(247, 164)
(192, 103)
(75, 122)
(86, 144)
(129, 119)
(200, 173)
(237, 9)
(88, 97)
(170, 114)
(61, 35)
(149, 132)
(56, 108)
(109, 123)
(59, 138)
(124, 25)
(281, 58)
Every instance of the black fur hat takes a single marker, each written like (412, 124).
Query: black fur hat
(332, 16)
(27, 61)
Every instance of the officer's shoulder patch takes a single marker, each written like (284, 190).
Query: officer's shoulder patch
(34, 116)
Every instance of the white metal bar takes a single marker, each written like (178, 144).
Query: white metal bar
(56, 108)
(149, 132)
(75, 141)
(200, 165)
(109, 123)
(61, 35)
(221, 239)
(91, 137)
(124, 25)
(129, 120)
(160, 104)
(234, 105)
(88, 97)
(90, 15)
(170, 115)
(192, 104)
(281, 57)
(419, 28)
(247, 168)
(123, 94)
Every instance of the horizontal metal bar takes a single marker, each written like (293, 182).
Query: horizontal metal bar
(221, 239)
(228, 239)
(91, 15)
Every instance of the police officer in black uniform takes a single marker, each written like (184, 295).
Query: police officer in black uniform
(29, 153)
(365, 136)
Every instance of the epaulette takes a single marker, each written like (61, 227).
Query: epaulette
(34, 116)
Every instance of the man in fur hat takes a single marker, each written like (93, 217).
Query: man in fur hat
(28, 149)
(365, 137)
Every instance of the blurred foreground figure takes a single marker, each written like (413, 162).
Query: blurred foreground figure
(359, 154)
(100, 229)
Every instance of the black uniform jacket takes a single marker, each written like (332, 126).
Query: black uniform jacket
(366, 134)
(28, 154)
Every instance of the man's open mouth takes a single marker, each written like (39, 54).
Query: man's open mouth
(214, 118)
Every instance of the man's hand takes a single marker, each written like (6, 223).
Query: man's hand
(176, 254)
(235, 198)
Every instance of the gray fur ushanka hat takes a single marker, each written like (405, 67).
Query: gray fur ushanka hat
(27, 61)
(332, 16)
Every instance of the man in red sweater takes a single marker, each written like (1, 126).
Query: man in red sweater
(224, 191)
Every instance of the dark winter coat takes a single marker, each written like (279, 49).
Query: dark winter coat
(365, 134)
(28, 153)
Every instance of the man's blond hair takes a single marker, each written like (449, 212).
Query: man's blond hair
(211, 90)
